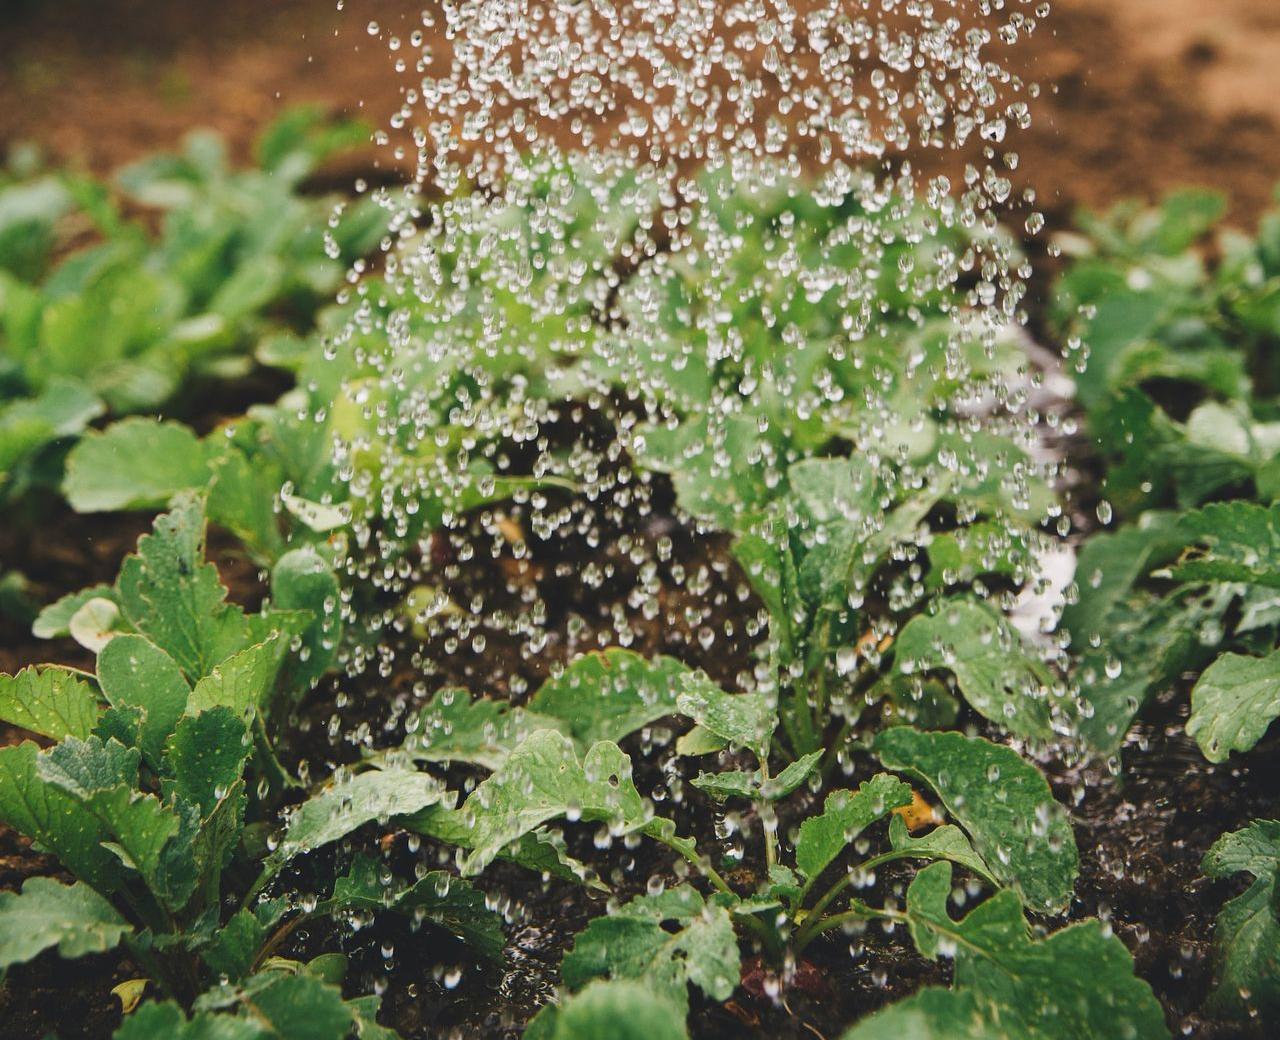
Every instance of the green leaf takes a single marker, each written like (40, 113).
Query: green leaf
(543, 780)
(844, 490)
(942, 843)
(102, 776)
(233, 947)
(455, 727)
(242, 499)
(993, 671)
(55, 619)
(666, 941)
(134, 672)
(1247, 935)
(206, 754)
(349, 804)
(165, 1021)
(931, 1014)
(740, 784)
(54, 820)
(135, 464)
(1233, 703)
(171, 595)
(743, 719)
(297, 1007)
(1240, 543)
(74, 918)
(611, 694)
(1078, 982)
(450, 902)
(845, 815)
(244, 682)
(51, 702)
(1004, 804)
(617, 1010)
(302, 580)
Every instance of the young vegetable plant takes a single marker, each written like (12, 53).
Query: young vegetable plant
(856, 615)
(557, 759)
(158, 774)
(124, 325)
(1177, 593)
(1247, 935)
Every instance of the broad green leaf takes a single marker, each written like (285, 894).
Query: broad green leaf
(206, 755)
(743, 719)
(946, 842)
(845, 815)
(611, 694)
(1078, 982)
(243, 683)
(55, 619)
(455, 727)
(1240, 542)
(101, 776)
(1004, 804)
(931, 1014)
(156, 1020)
(617, 1010)
(134, 672)
(994, 672)
(450, 902)
(296, 1007)
(350, 803)
(542, 851)
(1233, 703)
(135, 464)
(74, 918)
(233, 947)
(52, 702)
(837, 490)
(242, 499)
(699, 741)
(1146, 642)
(54, 820)
(1247, 935)
(742, 784)
(666, 941)
(543, 780)
(302, 580)
(173, 597)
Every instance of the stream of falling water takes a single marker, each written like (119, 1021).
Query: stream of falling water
(653, 254)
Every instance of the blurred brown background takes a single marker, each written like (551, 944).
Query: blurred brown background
(1140, 95)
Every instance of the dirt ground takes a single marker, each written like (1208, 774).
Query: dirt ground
(1140, 95)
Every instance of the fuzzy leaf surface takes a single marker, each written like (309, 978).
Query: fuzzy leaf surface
(49, 701)
(845, 815)
(47, 913)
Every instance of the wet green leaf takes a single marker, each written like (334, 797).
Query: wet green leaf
(1247, 934)
(136, 673)
(666, 941)
(1003, 803)
(845, 815)
(996, 675)
(135, 464)
(543, 780)
(1077, 982)
(350, 803)
(49, 701)
(1233, 702)
(610, 694)
(450, 902)
(454, 726)
(618, 1010)
(744, 719)
(47, 913)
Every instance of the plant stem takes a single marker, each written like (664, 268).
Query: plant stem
(858, 911)
(770, 833)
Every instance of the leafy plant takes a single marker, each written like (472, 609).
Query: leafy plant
(1247, 936)
(124, 324)
(161, 762)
